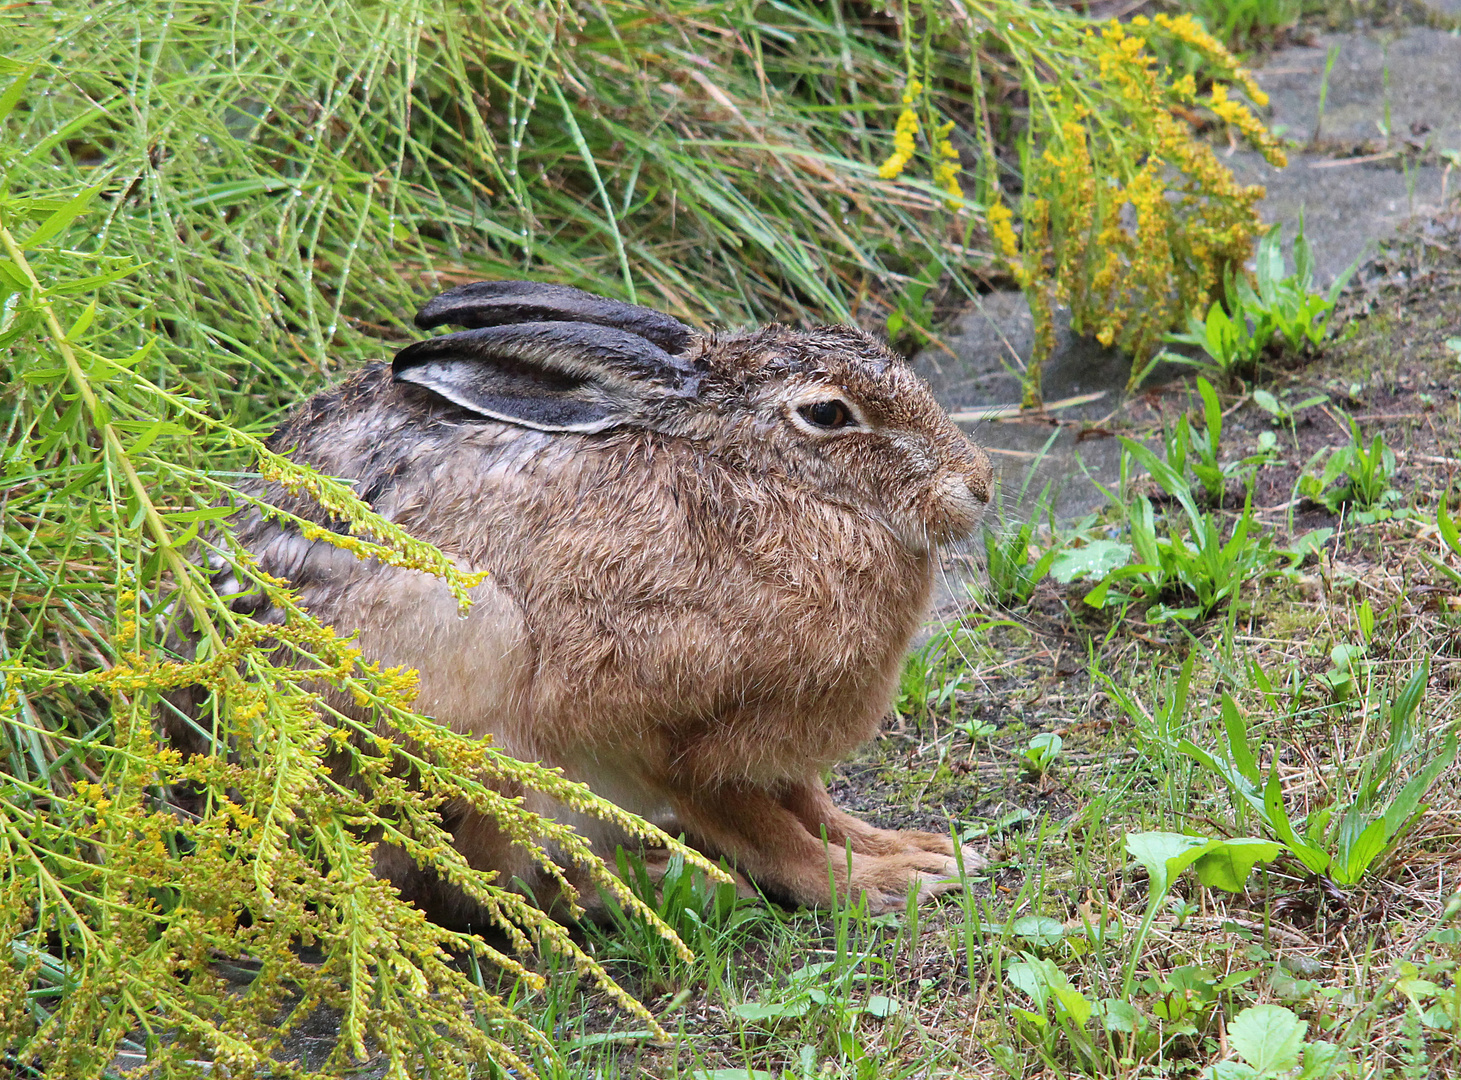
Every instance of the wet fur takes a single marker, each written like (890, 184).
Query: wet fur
(695, 615)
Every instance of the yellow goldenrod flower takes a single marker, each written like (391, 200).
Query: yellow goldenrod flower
(903, 135)
(946, 168)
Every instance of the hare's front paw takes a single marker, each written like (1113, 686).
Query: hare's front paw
(944, 845)
(886, 880)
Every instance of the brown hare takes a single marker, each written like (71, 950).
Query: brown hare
(707, 555)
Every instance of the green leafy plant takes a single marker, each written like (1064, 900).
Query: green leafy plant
(1219, 863)
(1348, 666)
(1283, 411)
(1369, 812)
(1237, 331)
(825, 1000)
(1357, 475)
(1042, 752)
(932, 675)
(1186, 998)
(1270, 1041)
(1195, 563)
(1189, 448)
(1180, 1003)
(1449, 534)
(1244, 22)
(1014, 563)
(707, 915)
(1287, 304)
(1232, 342)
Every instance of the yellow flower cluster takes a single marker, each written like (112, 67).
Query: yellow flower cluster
(1002, 231)
(1131, 221)
(946, 167)
(1187, 30)
(904, 133)
(945, 156)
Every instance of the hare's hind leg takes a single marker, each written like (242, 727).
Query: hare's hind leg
(770, 844)
(817, 812)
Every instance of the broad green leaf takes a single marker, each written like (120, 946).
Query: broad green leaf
(1118, 1015)
(1094, 560)
(1072, 1001)
(756, 1011)
(1025, 977)
(1350, 864)
(1233, 1070)
(1268, 1037)
(1236, 731)
(1042, 980)
(1228, 865)
(1320, 1060)
(1311, 543)
(1165, 855)
(1039, 929)
(1268, 403)
(1096, 598)
(82, 323)
(1212, 409)
(881, 1006)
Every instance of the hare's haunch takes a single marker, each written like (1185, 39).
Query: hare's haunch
(706, 558)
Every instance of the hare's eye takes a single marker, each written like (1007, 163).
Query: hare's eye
(827, 414)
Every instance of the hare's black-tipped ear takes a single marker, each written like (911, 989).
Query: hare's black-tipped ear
(502, 303)
(552, 376)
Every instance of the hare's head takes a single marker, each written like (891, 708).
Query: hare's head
(831, 409)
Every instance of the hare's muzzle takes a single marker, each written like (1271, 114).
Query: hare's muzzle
(961, 491)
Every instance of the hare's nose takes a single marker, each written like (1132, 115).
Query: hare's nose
(980, 475)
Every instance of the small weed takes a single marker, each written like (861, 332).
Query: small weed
(1368, 812)
(1240, 22)
(1284, 307)
(707, 916)
(1194, 563)
(1041, 754)
(1449, 533)
(931, 677)
(1283, 413)
(1194, 449)
(1014, 562)
(1199, 449)
(1270, 1040)
(1357, 475)
(912, 315)
(1348, 666)
(823, 1001)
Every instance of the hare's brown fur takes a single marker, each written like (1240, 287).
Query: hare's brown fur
(694, 614)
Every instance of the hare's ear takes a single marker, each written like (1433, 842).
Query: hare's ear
(552, 376)
(501, 303)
